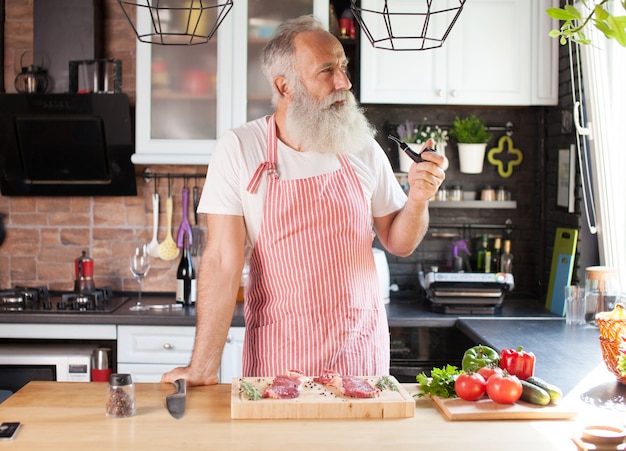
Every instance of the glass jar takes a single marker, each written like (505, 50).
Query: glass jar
(502, 194)
(456, 193)
(601, 290)
(121, 396)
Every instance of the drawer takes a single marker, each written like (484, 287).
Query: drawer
(155, 344)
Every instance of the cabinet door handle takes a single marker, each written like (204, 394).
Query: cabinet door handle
(453, 93)
(229, 339)
(439, 92)
(168, 346)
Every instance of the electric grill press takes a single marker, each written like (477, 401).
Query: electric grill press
(467, 293)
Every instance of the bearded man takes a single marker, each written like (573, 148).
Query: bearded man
(298, 196)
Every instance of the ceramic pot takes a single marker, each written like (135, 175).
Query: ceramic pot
(472, 157)
(405, 160)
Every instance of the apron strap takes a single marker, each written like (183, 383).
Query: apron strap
(270, 164)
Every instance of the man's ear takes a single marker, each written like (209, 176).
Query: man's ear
(282, 86)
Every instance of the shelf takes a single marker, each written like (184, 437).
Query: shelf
(508, 204)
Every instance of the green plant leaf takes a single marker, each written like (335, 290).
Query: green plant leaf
(618, 30)
(600, 13)
(560, 14)
(574, 12)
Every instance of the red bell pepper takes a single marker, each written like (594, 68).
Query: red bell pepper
(518, 362)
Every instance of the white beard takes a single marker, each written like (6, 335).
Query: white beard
(323, 127)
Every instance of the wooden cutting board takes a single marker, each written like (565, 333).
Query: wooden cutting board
(317, 401)
(455, 409)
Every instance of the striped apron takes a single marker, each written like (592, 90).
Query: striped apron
(313, 300)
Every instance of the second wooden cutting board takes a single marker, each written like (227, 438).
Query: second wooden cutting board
(455, 409)
(317, 401)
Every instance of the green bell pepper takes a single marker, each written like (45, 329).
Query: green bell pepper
(479, 356)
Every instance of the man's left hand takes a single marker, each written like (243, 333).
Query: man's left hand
(426, 177)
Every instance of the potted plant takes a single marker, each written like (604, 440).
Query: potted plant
(416, 136)
(408, 133)
(472, 136)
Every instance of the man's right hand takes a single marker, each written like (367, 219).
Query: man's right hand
(187, 373)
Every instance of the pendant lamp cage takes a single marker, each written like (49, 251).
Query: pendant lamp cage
(393, 24)
(177, 22)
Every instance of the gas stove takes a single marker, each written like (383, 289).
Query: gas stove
(41, 300)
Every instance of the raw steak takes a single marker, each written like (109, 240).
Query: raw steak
(286, 386)
(351, 386)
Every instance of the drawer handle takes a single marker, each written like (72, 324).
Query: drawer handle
(168, 346)
(229, 339)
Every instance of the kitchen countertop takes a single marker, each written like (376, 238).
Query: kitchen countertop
(403, 310)
(68, 416)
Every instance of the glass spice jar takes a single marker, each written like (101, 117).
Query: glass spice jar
(456, 193)
(121, 396)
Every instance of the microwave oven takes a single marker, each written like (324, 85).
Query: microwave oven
(22, 363)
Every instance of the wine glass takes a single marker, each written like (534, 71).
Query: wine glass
(139, 265)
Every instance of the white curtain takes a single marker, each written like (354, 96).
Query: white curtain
(604, 87)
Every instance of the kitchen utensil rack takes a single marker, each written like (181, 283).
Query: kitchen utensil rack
(508, 128)
(442, 230)
(148, 175)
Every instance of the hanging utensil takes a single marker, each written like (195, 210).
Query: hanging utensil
(167, 248)
(196, 230)
(153, 246)
(184, 226)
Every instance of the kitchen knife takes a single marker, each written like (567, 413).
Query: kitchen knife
(176, 401)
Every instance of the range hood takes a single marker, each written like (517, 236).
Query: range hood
(66, 145)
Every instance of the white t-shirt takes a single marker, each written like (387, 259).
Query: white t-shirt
(240, 151)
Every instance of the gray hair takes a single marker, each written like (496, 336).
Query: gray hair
(277, 57)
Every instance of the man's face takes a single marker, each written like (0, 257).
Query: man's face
(321, 64)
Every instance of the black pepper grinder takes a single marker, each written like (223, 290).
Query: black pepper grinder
(121, 397)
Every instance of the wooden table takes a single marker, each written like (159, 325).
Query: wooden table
(68, 416)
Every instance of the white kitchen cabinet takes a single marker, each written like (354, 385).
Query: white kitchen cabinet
(147, 352)
(187, 96)
(498, 53)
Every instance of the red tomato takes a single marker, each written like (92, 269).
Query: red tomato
(470, 387)
(488, 371)
(504, 388)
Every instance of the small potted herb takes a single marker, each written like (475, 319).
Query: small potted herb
(472, 136)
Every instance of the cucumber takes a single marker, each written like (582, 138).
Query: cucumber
(555, 392)
(534, 394)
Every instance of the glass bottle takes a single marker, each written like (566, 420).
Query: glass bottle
(483, 259)
(506, 261)
(496, 254)
(186, 290)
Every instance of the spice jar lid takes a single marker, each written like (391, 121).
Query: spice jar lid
(599, 272)
(118, 379)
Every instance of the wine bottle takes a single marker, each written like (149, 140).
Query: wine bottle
(506, 261)
(186, 289)
(483, 260)
(496, 254)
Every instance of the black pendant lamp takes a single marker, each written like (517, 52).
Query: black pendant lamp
(394, 25)
(177, 22)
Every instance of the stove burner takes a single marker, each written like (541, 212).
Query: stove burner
(23, 298)
(93, 300)
(39, 299)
